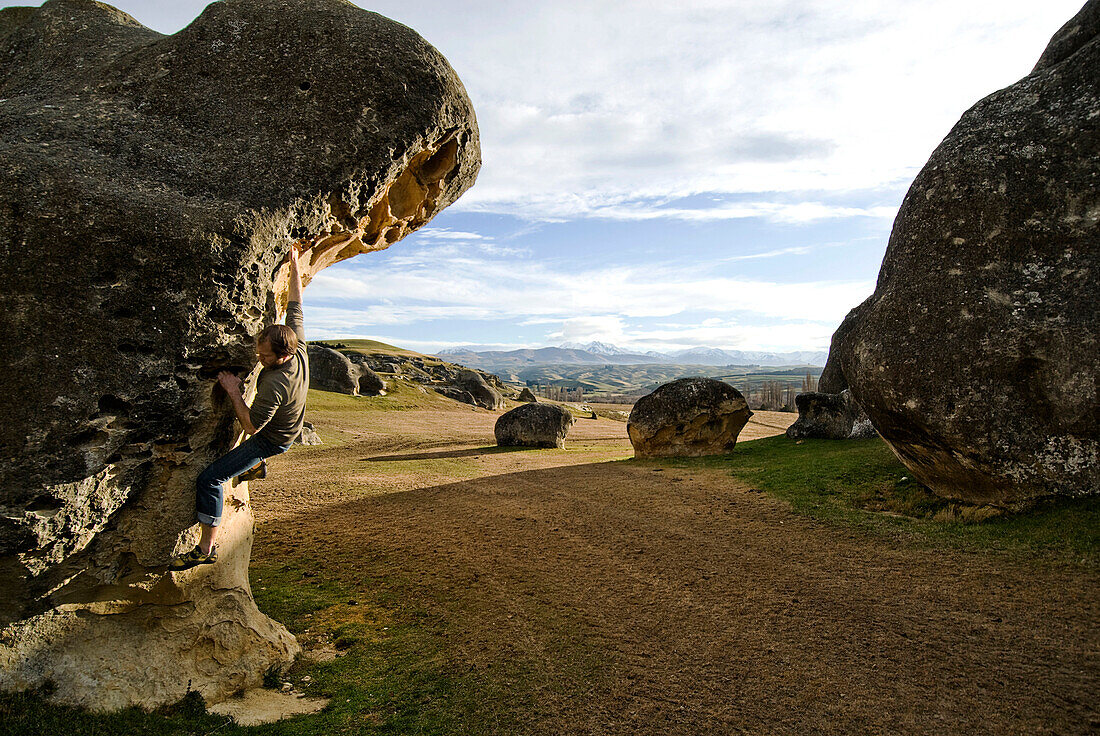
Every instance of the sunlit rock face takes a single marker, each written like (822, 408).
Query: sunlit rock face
(976, 357)
(534, 425)
(689, 417)
(151, 187)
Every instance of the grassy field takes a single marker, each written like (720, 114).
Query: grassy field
(861, 484)
(428, 643)
(372, 346)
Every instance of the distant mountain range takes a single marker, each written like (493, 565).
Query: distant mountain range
(603, 353)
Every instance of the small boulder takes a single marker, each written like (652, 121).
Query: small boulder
(330, 370)
(690, 417)
(484, 395)
(370, 384)
(533, 425)
(527, 395)
(451, 392)
(829, 417)
(308, 436)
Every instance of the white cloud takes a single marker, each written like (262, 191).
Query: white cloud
(445, 233)
(606, 304)
(588, 105)
(585, 101)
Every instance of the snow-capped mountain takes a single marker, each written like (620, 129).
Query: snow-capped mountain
(596, 348)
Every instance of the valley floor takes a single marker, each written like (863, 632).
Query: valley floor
(583, 592)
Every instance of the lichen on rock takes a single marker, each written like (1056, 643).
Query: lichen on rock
(533, 425)
(689, 417)
(975, 358)
(152, 186)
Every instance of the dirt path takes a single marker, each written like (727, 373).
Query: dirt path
(649, 600)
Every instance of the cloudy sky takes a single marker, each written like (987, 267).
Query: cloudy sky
(664, 175)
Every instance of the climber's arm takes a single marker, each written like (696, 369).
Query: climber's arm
(294, 317)
(232, 386)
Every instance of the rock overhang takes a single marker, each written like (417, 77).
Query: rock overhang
(153, 186)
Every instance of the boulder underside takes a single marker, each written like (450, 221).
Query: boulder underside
(152, 187)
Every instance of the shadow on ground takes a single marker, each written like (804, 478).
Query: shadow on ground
(679, 602)
(469, 452)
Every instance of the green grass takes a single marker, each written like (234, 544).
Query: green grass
(400, 396)
(395, 674)
(860, 482)
(371, 346)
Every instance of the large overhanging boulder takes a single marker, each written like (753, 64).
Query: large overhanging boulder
(151, 188)
(976, 357)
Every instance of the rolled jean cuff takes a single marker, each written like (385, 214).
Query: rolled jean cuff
(207, 519)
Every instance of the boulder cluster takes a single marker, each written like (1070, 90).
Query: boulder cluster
(457, 382)
(331, 370)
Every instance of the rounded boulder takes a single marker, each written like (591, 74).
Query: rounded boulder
(829, 417)
(330, 370)
(484, 395)
(976, 357)
(691, 417)
(534, 425)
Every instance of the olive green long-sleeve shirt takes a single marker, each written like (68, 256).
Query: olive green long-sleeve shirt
(279, 408)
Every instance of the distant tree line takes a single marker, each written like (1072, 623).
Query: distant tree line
(558, 393)
(762, 395)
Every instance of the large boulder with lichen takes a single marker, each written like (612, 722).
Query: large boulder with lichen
(533, 425)
(690, 417)
(151, 188)
(975, 358)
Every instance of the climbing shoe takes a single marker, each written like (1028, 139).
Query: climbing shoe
(194, 558)
(256, 472)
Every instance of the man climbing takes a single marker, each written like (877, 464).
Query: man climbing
(274, 420)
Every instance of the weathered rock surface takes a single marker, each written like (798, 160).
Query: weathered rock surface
(976, 357)
(484, 395)
(458, 394)
(527, 395)
(533, 425)
(828, 417)
(330, 370)
(309, 435)
(151, 187)
(370, 384)
(690, 417)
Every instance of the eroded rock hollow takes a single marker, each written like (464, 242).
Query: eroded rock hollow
(152, 186)
(976, 357)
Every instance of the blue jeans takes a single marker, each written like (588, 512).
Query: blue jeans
(209, 497)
